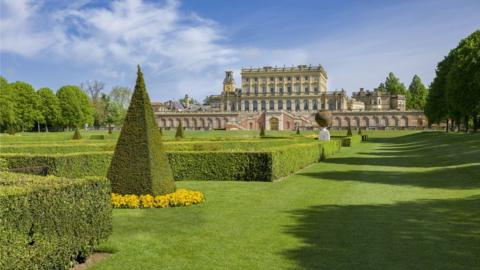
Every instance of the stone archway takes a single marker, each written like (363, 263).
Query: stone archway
(273, 123)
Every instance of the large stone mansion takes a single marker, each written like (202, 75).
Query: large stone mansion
(284, 98)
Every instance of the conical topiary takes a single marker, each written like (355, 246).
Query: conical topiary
(139, 164)
(349, 131)
(179, 134)
(76, 135)
(298, 130)
(161, 131)
(359, 131)
(262, 130)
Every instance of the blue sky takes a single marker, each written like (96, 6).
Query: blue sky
(185, 46)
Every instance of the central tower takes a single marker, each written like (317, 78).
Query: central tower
(229, 82)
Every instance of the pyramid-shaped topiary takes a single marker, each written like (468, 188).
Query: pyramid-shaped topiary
(179, 133)
(349, 130)
(262, 130)
(76, 135)
(139, 164)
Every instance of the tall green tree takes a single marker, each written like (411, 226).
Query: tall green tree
(27, 104)
(393, 85)
(49, 108)
(75, 106)
(8, 117)
(463, 78)
(381, 87)
(417, 94)
(94, 90)
(114, 111)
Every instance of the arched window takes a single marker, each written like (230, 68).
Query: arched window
(247, 105)
(280, 104)
(264, 105)
(271, 105)
(255, 106)
(289, 105)
(305, 105)
(255, 90)
(315, 105)
(272, 91)
(280, 90)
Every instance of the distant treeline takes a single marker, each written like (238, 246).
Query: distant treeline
(24, 109)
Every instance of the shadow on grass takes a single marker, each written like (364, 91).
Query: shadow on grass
(429, 149)
(465, 177)
(438, 234)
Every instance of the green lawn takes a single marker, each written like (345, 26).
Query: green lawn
(400, 201)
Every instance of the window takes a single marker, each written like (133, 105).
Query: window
(255, 106)
(297, 88)
(305, 105)
(272, 90)
(280, 78)
(315, 105)
(297, 105)
(264, 105)
(264, 90)
(315, 90)
(280, 104)
(289, 90)
(298, 78)
(256, 79)
(272, 79)
(306, 77)
(307, 90)
(247, 105)
(289, 78)
(272, 105)
(256, 90)
(289, 105)
(247, 79)
(281, 90)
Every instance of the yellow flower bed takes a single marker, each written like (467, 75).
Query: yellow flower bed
(181, 197)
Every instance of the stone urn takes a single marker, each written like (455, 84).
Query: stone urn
(323, 119)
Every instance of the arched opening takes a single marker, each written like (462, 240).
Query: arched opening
(273, 123)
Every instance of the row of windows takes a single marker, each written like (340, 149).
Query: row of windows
(263, 105)
(280, 90)
(263, 79)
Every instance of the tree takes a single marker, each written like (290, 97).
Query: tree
(381, 88)
(27, 104)
(49, 108)
(393, 86)
(463, 79)
(139, 164)
(417, 94)
(436, 108)
(94, 90)
(8, 117)
(115, 113)
(121, 95)
(75, 107)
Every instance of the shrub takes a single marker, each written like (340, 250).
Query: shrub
(3, 165)
(359, 131)
(179, 133)
(364, 138)
(51, 222)
(298, 131)
(262, 130)
(323, 118)
(139, 164)
(97, 137)
(76, 135)
(160, 130)
(349, 131)
(75, 165)
(181, 197)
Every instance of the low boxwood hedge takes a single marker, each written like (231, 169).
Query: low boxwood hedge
(348, 141)
(266, 165)
(51, 222)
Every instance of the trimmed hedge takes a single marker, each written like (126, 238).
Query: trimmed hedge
(349, 141)
(266, 165)
(289, 159)
(75, 165)
(51, 222)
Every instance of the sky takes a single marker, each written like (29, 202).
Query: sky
(185, 47)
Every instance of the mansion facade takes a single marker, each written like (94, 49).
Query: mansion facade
(284, 98)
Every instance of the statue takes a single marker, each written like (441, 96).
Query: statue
(323, 119)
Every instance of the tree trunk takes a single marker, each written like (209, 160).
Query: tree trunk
(447, 127)
(46, 128)
(465, 119)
